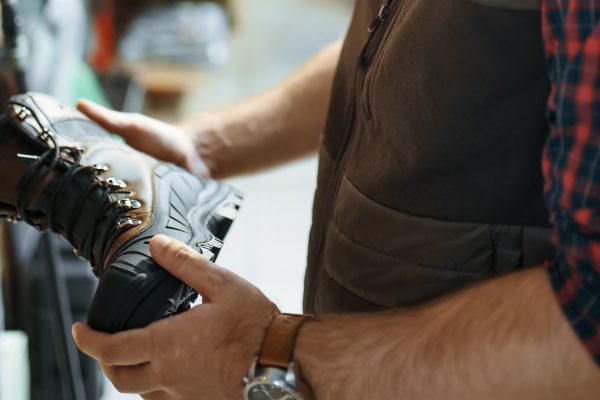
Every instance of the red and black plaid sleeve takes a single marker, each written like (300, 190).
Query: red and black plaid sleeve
(572, 161)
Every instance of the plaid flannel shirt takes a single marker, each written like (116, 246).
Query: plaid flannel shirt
(571, 162)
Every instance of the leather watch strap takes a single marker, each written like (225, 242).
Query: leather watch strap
(278, 344)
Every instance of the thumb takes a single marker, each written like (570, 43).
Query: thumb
(189, 266)
(112, 121)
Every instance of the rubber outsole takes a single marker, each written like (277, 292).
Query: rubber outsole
(134, 291)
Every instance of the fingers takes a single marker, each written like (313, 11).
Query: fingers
(133, 379)
(189, 266)
(148, 135)
(124, 348)
(110, 120)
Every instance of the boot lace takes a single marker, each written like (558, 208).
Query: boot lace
(58, 168)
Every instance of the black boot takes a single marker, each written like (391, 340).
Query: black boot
(62, 172)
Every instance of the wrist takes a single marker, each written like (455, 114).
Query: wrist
(275, 371)
(319, 350)
(359, 356)
(206, 134)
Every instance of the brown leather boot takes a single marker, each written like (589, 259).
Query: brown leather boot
(62, 172)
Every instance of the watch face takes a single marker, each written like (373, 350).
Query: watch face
(268, 391)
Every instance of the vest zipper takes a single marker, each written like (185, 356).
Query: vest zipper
(365, 56)
(363, 60)
(382, 16)
(374, 63)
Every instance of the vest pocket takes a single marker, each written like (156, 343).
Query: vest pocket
(392, 259)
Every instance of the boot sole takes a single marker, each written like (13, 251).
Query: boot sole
(134, 291)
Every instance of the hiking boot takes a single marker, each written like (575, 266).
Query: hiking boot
(62, 172)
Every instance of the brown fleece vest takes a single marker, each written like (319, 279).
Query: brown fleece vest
(430, 167)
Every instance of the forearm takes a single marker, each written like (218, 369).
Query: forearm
(504, 339)
(279, 125)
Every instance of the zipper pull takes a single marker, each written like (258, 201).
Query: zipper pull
(381, 16)
(384, 11)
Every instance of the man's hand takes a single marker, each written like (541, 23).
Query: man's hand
(201, 354)
(161, 140)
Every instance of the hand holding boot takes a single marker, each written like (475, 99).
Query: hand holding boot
(164, 141)
(201, 354)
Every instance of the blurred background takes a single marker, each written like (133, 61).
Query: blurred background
(168, 59)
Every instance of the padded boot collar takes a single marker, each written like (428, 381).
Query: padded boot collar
(25, 113)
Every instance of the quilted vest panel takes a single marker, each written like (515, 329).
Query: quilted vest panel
(430, 167)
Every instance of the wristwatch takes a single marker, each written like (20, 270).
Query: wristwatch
(274, 374)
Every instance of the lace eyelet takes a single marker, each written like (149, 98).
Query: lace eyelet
(45, 135)
(128, 223)
(129, 204)
(24, 113)
(115, 183)
(100, 167)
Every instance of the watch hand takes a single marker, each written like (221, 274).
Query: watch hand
(266, 394)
